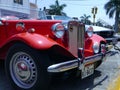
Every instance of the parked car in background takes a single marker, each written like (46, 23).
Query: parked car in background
(36, 50)
(117, 35)
(57, 17)
(106, 33)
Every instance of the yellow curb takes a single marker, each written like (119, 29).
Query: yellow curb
(115, 85)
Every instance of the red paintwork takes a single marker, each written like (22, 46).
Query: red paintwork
(89, 43)
(97, 38)
(88, 47)
(9, 30)
(41, 39)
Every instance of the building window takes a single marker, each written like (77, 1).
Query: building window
(18, 2)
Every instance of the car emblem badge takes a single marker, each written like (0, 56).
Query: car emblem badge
(71, 28)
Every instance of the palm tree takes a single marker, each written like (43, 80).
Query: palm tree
(57, 9)
(113, 7)
(85, 19)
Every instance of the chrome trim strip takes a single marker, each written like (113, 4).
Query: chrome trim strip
(64, 66)
(92, 59)
(110, 39)
(68, 65)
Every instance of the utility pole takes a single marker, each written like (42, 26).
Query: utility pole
(94, 12)
(36, 2)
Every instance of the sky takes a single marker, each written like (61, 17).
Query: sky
(77, 8)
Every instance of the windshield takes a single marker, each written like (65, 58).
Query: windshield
(61, 18)
(57, 17)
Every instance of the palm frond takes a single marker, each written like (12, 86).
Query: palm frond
(57, 9)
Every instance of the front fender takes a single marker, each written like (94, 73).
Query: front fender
(36, 41)
(96, 38)
(89, 42)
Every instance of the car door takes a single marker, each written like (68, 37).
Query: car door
(3, 33)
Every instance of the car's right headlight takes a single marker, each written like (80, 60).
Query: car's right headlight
(89, 31)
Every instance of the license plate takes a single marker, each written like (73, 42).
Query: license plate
(87, 70)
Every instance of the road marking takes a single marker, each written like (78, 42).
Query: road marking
(115, 85)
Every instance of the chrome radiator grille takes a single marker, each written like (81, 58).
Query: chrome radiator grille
(76, 36)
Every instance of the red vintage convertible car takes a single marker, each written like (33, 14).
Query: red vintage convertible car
(35, 50)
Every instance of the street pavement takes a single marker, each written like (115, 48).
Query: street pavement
(100, 80)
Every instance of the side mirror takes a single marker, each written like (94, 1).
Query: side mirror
(1, 23)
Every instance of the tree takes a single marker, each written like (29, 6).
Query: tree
(85, 19)
(113, 8)
(103, 23)
(99, 23)
(57, 9)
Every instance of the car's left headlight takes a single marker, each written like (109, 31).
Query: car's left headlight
(58, 30)
(96, 47)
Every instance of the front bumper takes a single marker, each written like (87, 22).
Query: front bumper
(76, 63)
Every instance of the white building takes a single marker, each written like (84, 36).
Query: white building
(33, 11)
(19, 8)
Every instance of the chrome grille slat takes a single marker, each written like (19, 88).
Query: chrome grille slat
(76, 36)
(73, 40)
(81, 36)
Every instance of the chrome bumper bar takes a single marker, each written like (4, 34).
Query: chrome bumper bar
(76, 63)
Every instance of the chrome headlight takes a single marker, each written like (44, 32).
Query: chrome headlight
(96, 47)
(58, 30)
(89, 31)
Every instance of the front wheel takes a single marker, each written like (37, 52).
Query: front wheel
(26, 67)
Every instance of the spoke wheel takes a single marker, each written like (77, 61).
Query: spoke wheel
(23, 70)
(26, 68)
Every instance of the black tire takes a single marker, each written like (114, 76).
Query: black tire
(26, 68)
